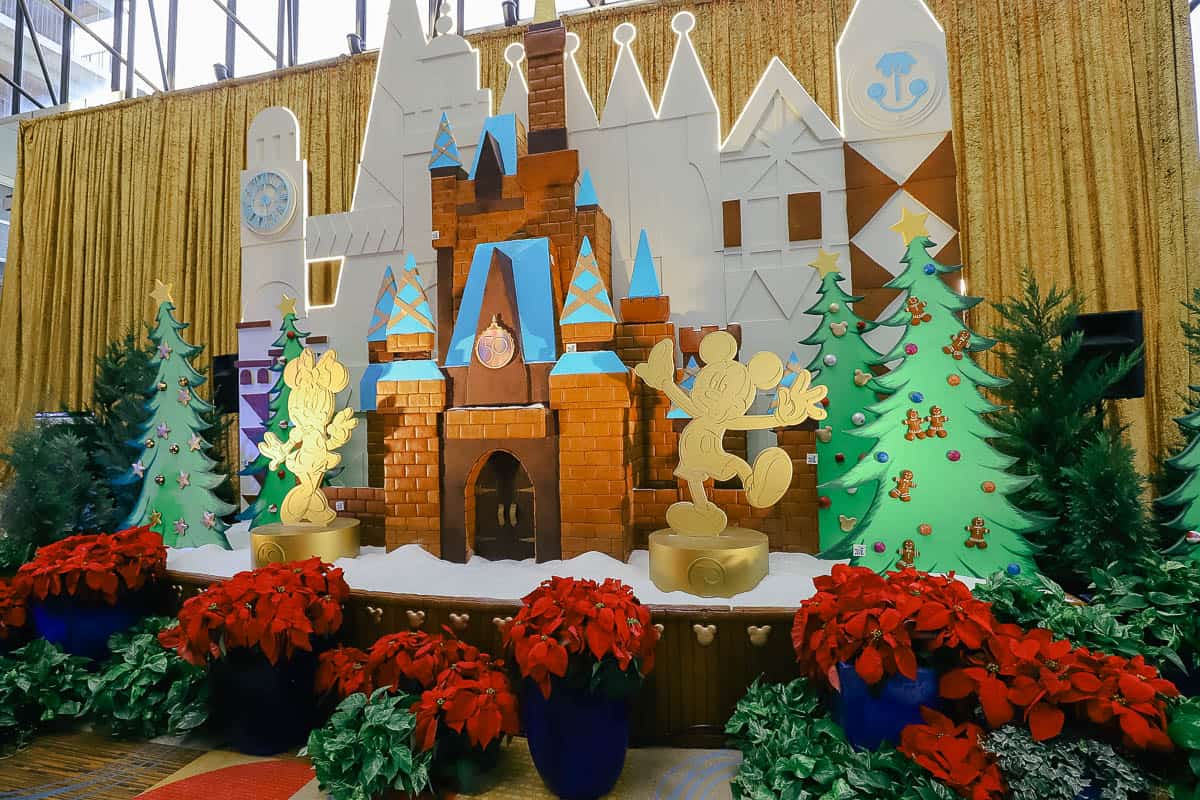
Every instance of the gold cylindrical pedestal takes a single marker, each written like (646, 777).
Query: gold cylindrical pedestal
(708, 566)
(275, 543)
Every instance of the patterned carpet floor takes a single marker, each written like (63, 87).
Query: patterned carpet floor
(79, 766)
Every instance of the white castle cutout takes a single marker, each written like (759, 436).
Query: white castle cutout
(733, 224)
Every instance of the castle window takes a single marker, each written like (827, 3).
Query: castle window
(804, 216)
(245, 379)
(264, 376)
(731, 214)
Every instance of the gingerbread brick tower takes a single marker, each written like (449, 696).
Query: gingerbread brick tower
(529, 423)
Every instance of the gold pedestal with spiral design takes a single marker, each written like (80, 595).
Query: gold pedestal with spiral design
(278, 542)
(729, 563)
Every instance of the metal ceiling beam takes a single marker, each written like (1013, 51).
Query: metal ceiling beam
(100, 40)
(162, 64)
(233, 17)
(37, 49)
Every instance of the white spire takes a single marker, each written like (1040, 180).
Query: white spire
(516, 92)
(581, 114)
(628, 100)
(892, 76)
(687, 91)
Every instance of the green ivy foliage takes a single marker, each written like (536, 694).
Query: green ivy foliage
(145, 690)
(1145, 607)
(792, 750)
(1062, 767)
(366, 748)
(39, 684)
(1184, 730)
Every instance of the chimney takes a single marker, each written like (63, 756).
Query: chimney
(545, 41)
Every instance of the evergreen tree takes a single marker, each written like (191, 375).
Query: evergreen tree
(275, 484)
(50, 494)
(119, 413)
(943, 505)
(1049, 423)
(841, 364)
(177, 498)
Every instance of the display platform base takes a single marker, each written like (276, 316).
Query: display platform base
(729, 563)
(275, 543)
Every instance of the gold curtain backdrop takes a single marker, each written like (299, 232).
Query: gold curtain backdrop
(1074, 126)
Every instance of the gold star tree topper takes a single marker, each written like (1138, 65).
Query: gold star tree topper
(825, 263)
(287, 306)
(162, 293)
(911, 225)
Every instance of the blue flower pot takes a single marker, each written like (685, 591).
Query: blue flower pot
(577, 739)
(872, 715)
(83, 629)
(263, 708)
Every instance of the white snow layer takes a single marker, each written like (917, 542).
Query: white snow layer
(413, 570)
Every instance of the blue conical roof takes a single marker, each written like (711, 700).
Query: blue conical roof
(410, 312)
(587, 297)
(445, 149)
(645, 277)
(382, 312)
(586, 196)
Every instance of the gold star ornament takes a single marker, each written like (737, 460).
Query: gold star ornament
(287, 306)
(911, 225)
(825, 262)
(162, 293)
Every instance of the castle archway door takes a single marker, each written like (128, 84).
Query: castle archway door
(504, 507)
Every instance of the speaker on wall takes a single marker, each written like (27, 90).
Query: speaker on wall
(1110, 335)
(225, 383)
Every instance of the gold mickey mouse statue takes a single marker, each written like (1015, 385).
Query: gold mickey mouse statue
(316, 432)
(723, 392)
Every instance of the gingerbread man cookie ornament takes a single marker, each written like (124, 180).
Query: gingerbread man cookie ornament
(916, 307)
(904, 485)
(977, 531)
(908, 554)
(723, 392)
(937, 423)
(958, 343)
(913, 421)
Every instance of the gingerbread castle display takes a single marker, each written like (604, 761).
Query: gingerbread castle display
(523, 433)
(530, 259)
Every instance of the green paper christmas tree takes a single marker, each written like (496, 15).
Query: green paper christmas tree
(177, 499)
(942, 502)
(840, 364)
(1186, 496)
(276, 483)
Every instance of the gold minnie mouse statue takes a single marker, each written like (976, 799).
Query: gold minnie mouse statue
(316, 432)
(723, 392)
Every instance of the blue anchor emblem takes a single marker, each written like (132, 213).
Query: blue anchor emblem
(895, 66)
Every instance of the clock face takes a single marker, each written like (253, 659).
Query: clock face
(268, 202)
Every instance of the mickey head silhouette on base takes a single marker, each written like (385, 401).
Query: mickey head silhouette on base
(723, 392)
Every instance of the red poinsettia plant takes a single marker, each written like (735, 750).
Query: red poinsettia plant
(887, 625)
(571, 625)
(343, 671)
(12, 606)
(471, 699)
(96, 567)
(404, 662)
(278, 609)
(953, 755)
